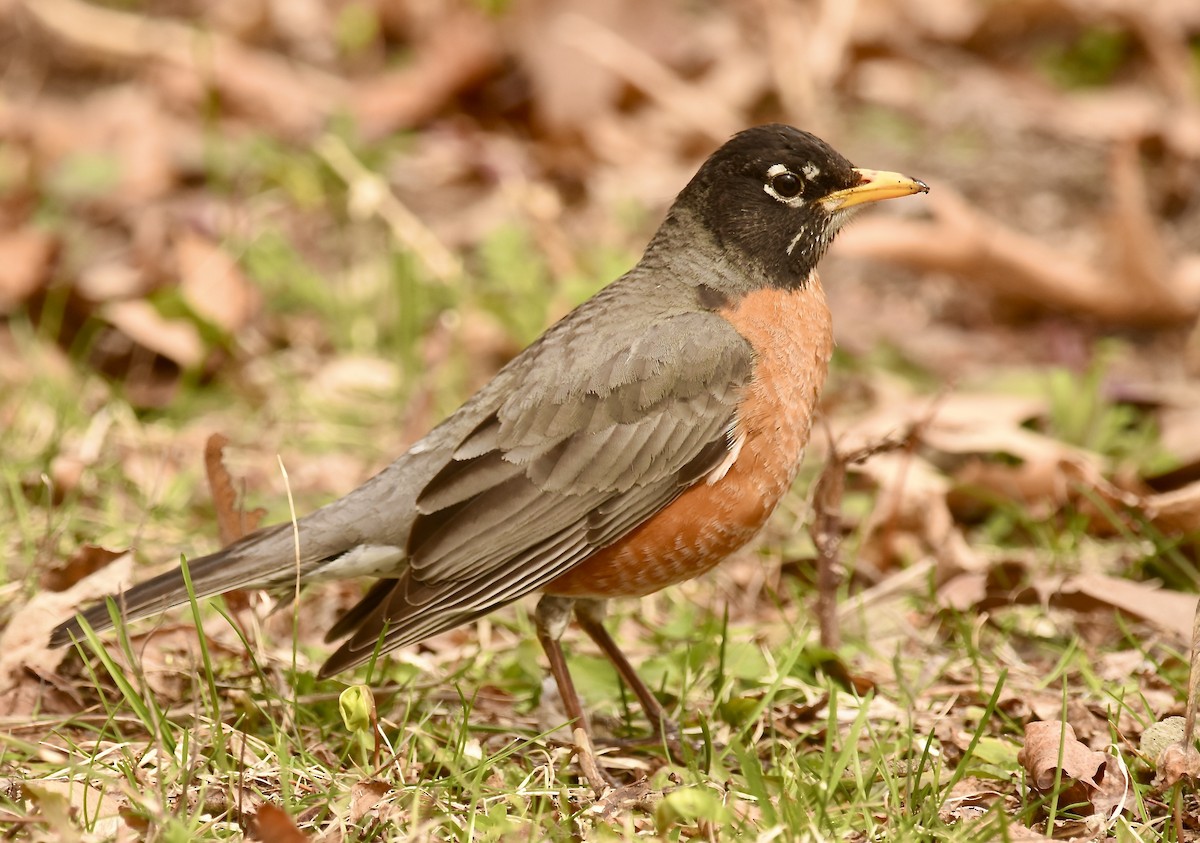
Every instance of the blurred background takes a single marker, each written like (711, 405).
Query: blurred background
(316, 225)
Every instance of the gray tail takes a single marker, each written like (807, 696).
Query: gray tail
(264, 559)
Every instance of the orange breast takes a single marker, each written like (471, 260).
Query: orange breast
(792, 335)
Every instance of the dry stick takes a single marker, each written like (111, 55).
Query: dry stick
(293, 95)
(370, 196)
(826, 526)
(826, 533)
(963, 241)
(675, 95)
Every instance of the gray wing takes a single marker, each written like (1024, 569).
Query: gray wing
(588, 443)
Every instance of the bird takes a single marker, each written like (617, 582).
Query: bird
(638, 442)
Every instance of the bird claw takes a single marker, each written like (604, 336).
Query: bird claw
(668, 734)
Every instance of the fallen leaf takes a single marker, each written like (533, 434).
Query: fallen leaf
(25, 641)
(967, 243)
(26, 259)
(212, 283)
(365, 796)
(232, 521)
(970, 799)
(1051, 752)
(459, 52)
(273, 825)
(1177, 512)
(285, 94)
(1172, 611)
(1175, 763)
(1010, 583)
(174, 339)
(1048, 741)
(85, 561)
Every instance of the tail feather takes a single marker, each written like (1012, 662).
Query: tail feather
(264, 559)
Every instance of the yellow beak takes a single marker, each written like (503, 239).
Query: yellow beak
(875, 186)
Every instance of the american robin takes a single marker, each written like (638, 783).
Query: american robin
(641, 440)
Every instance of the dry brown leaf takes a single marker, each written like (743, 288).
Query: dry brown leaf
(232, 521)
(911, 519)
(1169, 744)
(460, 51)
(26, 260)
(273, 825)
(1175, 763)
(61, 805)
(1172, 611)
(1051, 751)
(291, 97)
(174, 339)
(365, 796)
(1008, 584)
(1177, 512)
(963, 241)
(24, 642)
(970, 799)
(212, 283)
(85, 561)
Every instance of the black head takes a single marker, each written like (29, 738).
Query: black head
(775, 196)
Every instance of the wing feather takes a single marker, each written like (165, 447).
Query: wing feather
(586, 445)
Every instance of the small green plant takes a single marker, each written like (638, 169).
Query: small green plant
(1092, 59)
(1082, 414)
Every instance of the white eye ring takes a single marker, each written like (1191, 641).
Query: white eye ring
(774, 171)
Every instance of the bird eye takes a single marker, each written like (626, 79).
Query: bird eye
(787, 185)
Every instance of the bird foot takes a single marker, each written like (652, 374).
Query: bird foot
(679, 749)
(585, 753)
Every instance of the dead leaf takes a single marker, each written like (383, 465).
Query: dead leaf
(273, 825)
(965, 242)
(911, 519)
(1172, 611)
(26, 260)
(1177, 512)
(1046, 741)
(970, 799)
(1086, 776)
(232, 521)
(57, 800)
(365, 795)
(461, 50)
(1010, 583)
(1115, 793)
(24, 642)
(212, 283)
(174, 339)
(291, 97)
(1177, 762)
(85, 561)
(1175, 758)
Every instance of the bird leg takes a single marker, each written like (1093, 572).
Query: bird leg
(590, 615)
(551, 618)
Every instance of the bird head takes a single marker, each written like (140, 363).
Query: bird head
(773, 197)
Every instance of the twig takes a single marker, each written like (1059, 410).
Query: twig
(826, 526)
(294, 96)
(963, 241)
(652, 77)
(369, 195)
